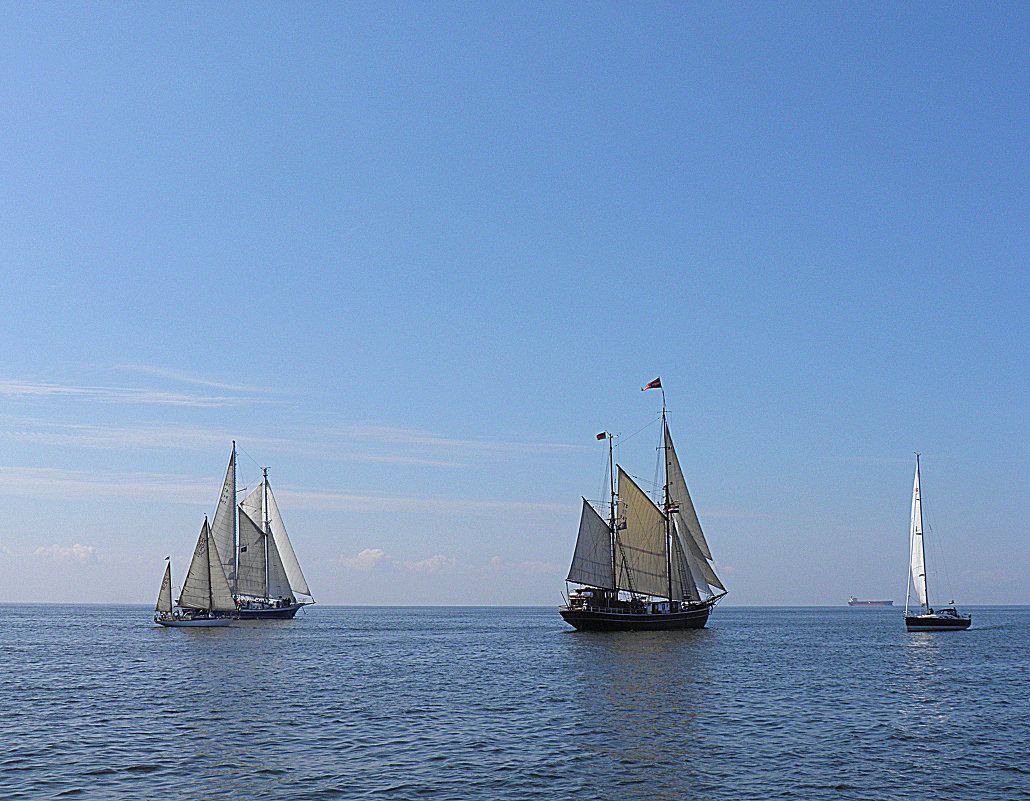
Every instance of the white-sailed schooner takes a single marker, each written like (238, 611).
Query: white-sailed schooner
(924, 617)
(205, 600)
(648, 566)
(257, 556)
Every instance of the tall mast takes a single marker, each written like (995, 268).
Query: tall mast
(207, 548)
(611, 513)
(235, 528)
(267, 529)
(665, 464)
(919, 525)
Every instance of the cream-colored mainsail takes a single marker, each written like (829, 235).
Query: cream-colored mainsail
(918, 560)
(223, 524)
(164, 595)
(205, 586)
(687, 527)
(592, 559)
(640, 541)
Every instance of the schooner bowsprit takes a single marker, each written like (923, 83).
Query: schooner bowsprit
(648, 566)
(256, 553)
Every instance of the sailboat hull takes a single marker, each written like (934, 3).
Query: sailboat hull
(193, 623)
(599, 620)
(268, 613)
(937, 623)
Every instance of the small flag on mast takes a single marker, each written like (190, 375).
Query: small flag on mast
(602, 435)
(656, 384)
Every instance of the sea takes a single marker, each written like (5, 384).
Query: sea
(510, 703)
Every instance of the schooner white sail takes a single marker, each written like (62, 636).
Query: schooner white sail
(205, 599)
(257, 556)
(648, 566)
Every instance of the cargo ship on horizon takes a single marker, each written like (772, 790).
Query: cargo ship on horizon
(853, 601)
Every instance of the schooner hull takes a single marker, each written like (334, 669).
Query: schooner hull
(597, 620)
(934, 623)
(271, 613)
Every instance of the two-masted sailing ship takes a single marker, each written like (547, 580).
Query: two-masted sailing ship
(924, 617)
(259, 563)
(243, 566)
(647, 566)
(205, 600)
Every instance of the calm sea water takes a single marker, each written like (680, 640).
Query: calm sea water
(465, 703)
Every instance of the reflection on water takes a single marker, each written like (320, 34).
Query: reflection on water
(511, 704)
(640, 697)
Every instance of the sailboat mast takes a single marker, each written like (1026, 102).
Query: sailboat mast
(207, 548)
(611, 512)
(235, 528)
(665, 463)
(267, 528)
(919, 529)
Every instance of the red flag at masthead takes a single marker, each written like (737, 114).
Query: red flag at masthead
(656, 384)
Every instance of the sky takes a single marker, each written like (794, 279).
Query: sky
(412, 258)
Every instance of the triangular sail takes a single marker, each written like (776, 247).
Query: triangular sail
(205, 586)
(918, 560)
(685, 586)
(223, 524)
(641, 540)
(251, 578)
(592, 559)
(282, 542)
(164, 595)
(679, 495)
(687, 526)
(278, 583)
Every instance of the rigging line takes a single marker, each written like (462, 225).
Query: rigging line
(247, 454)
(646, 426)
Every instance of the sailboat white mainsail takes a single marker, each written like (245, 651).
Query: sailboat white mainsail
(164, 595)
(205, 586)
(917, 561)
(287, 558)
(223, 524)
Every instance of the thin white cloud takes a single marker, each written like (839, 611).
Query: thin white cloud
(48, 483)
(186, 378)
(126, 395)
(82, 554)
(355, 502)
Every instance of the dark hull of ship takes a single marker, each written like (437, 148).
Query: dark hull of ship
(268, 613)
(600, 620)
(935, 623)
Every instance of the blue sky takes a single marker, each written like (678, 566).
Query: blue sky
(414, 258)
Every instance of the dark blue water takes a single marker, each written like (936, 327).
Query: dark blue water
(98, 703)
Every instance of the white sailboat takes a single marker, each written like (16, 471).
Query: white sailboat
(648, 566)
(205, 600)
(257, 556)
(923, 617)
